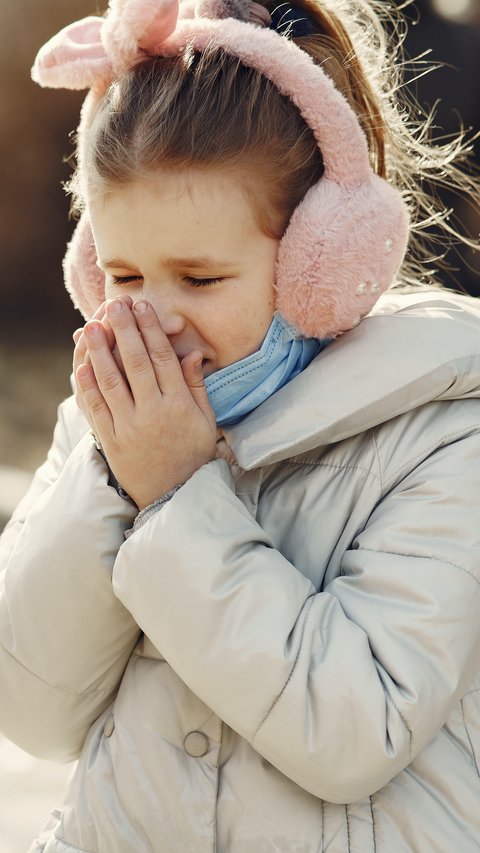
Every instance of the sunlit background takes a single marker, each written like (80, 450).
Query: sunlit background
(36, 317)
(462, 11)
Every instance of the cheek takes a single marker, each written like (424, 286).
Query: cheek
(113, 290)
(246, 331)
(234, 320)
(109, 292)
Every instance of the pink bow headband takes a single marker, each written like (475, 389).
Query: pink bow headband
(346, 239)
(96, 50)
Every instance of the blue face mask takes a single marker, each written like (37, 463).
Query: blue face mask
(237, 389)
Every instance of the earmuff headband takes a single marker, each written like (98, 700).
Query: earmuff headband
(347, 238)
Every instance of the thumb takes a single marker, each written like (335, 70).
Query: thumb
(193, 375)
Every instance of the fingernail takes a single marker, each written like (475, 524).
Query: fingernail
(140, 307)
(77, 334)
(92, 330)
(115, 306)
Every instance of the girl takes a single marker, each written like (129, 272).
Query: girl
(244, 588)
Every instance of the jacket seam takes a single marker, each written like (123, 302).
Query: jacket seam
(323, 825)
(373, 825)
(217, 796)
(469, 692)
(332, 465)
(270, 709)
(347, 823)
(436, 557)
(53, 686)
(469, 739)
(407, 467)
(377, 458)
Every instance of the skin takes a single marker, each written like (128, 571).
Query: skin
(170, 320)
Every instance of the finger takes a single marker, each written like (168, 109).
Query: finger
(113, 344)
(80, 355)
(194, 379)
(133, 352)
(109, 333)
(80, 343)
(79, 340)
(165, 363)
(101, 314)
(80, 350)
(108, 377)
(94, 400)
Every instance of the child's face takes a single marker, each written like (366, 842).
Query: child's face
(157, 238)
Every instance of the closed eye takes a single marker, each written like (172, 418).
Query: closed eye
(202, 282)
(193, 282)
(125, 279)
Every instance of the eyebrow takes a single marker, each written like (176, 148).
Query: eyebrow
(197, 262)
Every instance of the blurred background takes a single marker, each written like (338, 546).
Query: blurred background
(36, 316)
(36, 321)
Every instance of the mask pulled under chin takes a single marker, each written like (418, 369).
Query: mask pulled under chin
(237, 389)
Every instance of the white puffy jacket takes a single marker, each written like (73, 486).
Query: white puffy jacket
(286, 657)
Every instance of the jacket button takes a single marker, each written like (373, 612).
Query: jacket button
(109, 726)
(196, 744)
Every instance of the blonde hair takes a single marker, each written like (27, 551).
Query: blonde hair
(209, 111)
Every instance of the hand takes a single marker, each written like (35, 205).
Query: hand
(155, 423)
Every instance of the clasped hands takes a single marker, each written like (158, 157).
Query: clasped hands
(149, 411)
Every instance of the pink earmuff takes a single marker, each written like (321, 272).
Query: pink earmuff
(347, 238)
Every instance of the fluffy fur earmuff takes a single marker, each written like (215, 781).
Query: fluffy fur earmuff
(346, 239)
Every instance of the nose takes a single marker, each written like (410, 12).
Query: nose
(169, 311)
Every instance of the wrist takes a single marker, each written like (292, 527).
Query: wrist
(161, 496)
(112, 480)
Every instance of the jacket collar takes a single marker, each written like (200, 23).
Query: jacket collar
(413, 349)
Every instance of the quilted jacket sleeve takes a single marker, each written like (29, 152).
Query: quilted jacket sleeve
(65, 638)
(339, 689)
